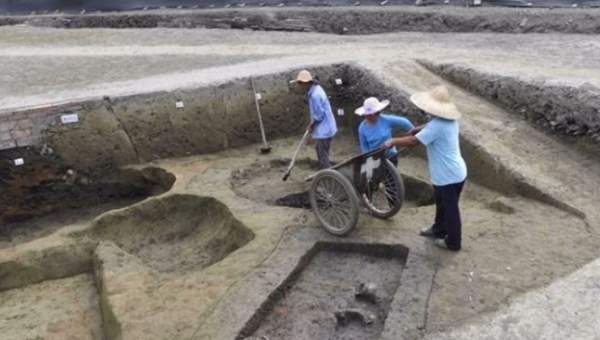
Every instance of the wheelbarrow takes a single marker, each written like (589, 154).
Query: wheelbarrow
(369, 179)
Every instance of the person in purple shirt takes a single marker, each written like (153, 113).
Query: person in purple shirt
(322, 122)
(377, 127)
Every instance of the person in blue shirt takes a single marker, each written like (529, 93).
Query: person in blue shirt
(447, 168)
(377, 127)
(322, 122)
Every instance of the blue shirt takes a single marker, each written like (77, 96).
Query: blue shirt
(320, 113)
(372, 137)
(446, 165)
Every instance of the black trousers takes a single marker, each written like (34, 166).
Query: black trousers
(447, 214)
(322, 148)
(391, 200)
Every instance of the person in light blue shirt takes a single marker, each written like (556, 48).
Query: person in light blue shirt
(322, 122)
(447, 168)
(377, 127)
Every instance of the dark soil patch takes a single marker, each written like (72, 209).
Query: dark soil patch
(44, 184)
(417, 193)
(322, 300)
(299, 200)
(14, 233)
(44, 194)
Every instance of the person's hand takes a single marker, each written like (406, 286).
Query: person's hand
(388, 144)
(309, 127)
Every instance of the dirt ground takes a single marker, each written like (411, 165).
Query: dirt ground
(512, 245)
(66, 309)
(322, 304)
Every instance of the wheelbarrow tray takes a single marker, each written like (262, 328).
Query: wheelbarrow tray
(361, 169)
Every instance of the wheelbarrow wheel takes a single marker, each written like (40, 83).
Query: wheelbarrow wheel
(384, 199)
(334, 202)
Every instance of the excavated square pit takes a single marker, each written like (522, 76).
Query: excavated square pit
(325, 296)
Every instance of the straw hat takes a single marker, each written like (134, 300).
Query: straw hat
(304, 77)
(371, 106)
(437, 103)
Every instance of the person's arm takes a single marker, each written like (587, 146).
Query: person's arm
(400, 122)
(317, 111)
(403, 142)
(426, 135)
(416, 130)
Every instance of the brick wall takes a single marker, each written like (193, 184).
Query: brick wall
(24, 127)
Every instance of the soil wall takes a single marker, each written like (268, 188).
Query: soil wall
(113, 132)
(73, 152)
(569, 111)
(348, 20)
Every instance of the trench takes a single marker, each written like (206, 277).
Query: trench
(178, 234)
(342, 21)
(223, 116)
(567, 112)
(42, 196)
(294, 193)
(337, 291)
(172, 235)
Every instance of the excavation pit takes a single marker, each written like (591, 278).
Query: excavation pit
(42, 198)
(176, 233)
(262, 182)
(319, 299)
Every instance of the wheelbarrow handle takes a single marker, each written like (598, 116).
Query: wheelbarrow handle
(399, 152)
(372, 152)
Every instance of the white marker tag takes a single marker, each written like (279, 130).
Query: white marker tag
(67, 119)
(340, 112)
(19, 161)
(476, 2)
(338, 81)
(258, 96)
(179, 104)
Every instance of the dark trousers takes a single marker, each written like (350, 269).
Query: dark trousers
(447, 214)
(323, 152)
(389, 179)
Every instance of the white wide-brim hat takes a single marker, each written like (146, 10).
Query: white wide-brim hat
(371, 106)
(437, 103)
(303, 76)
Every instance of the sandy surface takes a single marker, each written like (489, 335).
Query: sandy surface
(504, 255)
(58, 65)
(66, 309)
